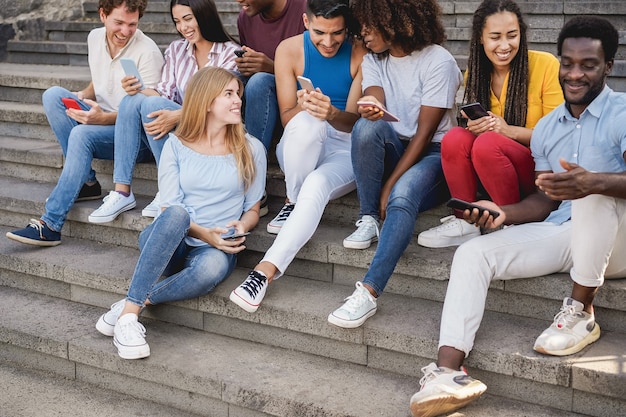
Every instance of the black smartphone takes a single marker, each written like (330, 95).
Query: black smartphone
(232, 234)
(240, 52)
(474, 111)
(455, 203)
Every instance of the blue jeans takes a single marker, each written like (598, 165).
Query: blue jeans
(132, 143)
(376, 150)
(80, 144)
(261, 107)
(190, 271)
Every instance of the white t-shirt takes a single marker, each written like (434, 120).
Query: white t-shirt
(430, 77)
(107, 72)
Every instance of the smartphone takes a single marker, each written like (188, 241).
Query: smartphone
(232, 234)
(305, 83)
(70, 103)
(388, 117)
(240, 52)
(455, 203)
(474, 111)
(130, 68)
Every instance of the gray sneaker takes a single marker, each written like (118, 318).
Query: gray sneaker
(357, 308)
(367, 232)
(443, 390)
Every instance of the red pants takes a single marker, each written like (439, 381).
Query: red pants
(503, 166)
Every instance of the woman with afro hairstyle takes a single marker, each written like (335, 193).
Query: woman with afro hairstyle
(397, 165)
(517, 87)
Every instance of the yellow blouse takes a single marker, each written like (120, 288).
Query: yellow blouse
(544, 90)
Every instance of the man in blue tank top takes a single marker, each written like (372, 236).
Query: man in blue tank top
(314, 151)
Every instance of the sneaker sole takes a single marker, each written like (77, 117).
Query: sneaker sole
(134, 352)
(242, 303)
(350, 324)
(104, 327)
(111, 217)
(263, 211)
(149, 213)
(445, 404)
(274, 230)
(591, 337)
(351, 244)
(456, 241)
(34, 242)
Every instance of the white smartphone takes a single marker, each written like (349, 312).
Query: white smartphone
(130, 68)
(305, 83)
(388, 117)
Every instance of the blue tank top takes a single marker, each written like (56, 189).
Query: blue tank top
(331, 75)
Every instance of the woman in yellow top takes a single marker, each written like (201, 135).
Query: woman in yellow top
(517, 87)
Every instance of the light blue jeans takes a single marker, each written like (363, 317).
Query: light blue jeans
(261, 107)
(376, 150)
(190, 271)
(80, 144)
(132, 143)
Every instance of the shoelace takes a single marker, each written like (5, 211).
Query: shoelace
(111, 198)
(355, 300)
(132, 329)
(285, 212)
(429, 372)
(368, 225)
(565, 316)
(447, 223)
(253, 284)
(37, 225)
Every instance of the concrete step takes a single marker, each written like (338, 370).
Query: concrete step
(209, 371)
(398, 338)
(51, 395)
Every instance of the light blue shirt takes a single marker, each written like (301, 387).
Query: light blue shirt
(208, 186)
(596, 141)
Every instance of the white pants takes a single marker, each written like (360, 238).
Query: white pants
(584, 246)
(315, 158)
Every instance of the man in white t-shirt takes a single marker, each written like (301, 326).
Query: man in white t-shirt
(88, 132)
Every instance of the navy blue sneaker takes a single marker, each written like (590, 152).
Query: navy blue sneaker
(36, 233)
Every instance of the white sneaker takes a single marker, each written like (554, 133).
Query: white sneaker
(451, 232)
(152, 209)
(571, 331)
(113, 205)
(106, 322)
(357, 308)
(443, 390)
(251, 292)
(129, 337)
(277, 222)
(367, 232)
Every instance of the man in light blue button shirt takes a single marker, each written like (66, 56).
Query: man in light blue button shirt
(575, 222)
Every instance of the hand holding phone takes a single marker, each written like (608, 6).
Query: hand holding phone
(305, 83)
(388, 117)
(474, 111)
(130, 68)
(71, 103)
(455, 203)
(239, 53)
(232, 234)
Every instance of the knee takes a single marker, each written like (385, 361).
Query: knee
(364, 131)
(131, 103)
(303, 127)
(457, 141)
(52, 96)
(259, 84)
(175, 216)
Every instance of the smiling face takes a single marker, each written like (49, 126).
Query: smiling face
(120, 26)
(226, 108)
(583, 71)
(501, 38)
(326, 34)
(186, 23)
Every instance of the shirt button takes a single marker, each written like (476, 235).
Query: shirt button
(575, 155)
(577, 126)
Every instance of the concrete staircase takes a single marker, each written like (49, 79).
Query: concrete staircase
(211, 358)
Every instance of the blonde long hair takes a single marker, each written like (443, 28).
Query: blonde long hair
(202, 89)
